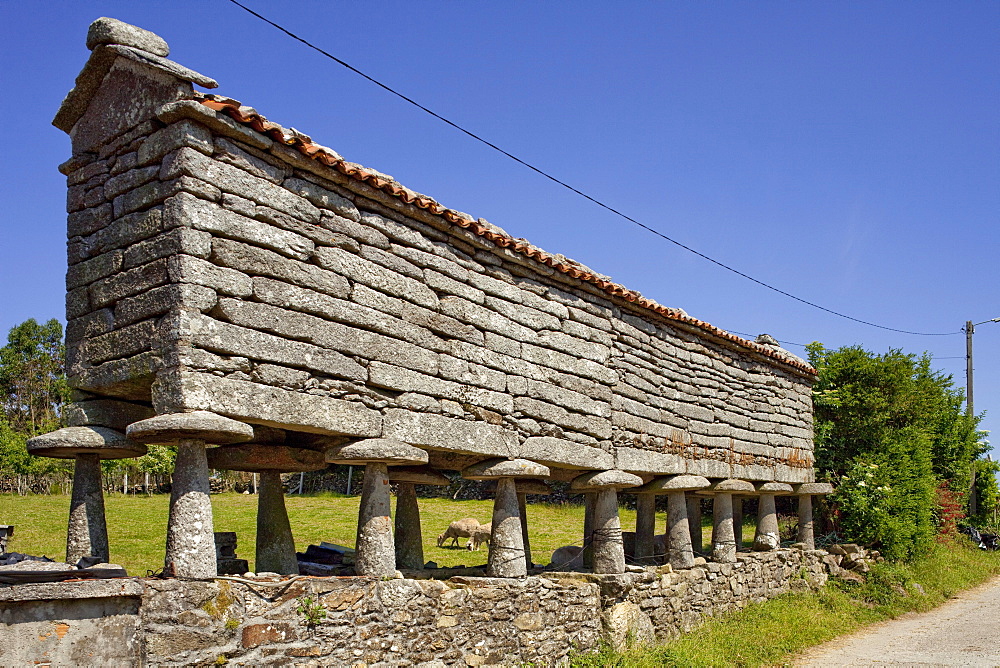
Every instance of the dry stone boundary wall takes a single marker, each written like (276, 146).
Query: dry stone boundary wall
(212, 268)
(464, 621)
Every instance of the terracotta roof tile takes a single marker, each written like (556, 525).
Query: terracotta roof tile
(304, 144)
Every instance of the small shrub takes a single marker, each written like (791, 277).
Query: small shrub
(311, 610)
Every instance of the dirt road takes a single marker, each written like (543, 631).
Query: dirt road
(965, 631)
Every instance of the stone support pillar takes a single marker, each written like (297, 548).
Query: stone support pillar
(767, 536)
(723, 539)
(804, 493)
(375, 549)
(408, 535)
(506, 558)
(190, 549)
(679, 552)
(694, 522)
(609, 550)
(409, 538)
(724, 544)
(679, 549)
(588, 529)
(738, 521)
(87, 531)
(522, 511)
(645, 528)
(375, 553)
(275, 544)
(190, 531)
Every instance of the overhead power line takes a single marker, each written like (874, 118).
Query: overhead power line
(594, 200)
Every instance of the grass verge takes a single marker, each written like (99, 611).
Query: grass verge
(771, 633)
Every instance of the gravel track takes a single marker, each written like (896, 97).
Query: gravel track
(964, 631)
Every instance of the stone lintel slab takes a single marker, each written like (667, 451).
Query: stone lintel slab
(444, 433)
(565, 453)
(635, 460)
(106, 413)
(417, 475)
(79, 589)
(270, 406)
(257, 458)
(710, 468)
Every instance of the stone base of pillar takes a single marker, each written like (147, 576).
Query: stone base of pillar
(87, 534)
(190, 533)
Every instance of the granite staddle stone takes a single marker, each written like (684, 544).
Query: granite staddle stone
(87, 530)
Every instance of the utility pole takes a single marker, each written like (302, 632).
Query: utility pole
(970, 406)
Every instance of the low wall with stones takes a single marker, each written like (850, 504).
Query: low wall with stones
(464, 621)
(220, 262)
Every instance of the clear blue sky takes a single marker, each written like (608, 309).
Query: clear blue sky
(846, 152)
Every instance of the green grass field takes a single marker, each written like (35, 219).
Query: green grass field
(137, 525)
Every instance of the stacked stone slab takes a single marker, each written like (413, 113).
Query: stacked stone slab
(219, 262)
(87, 534)
(226, 561)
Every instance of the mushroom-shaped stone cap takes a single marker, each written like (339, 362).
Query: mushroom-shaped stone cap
(68, 442)
(112, 31)
(774, 488)
(598, 480)
(202, 425)
(377, 451)
(731, 486)
(256, 458)
(505, 468)
(676, 483)
(814, 488)
(417, 475)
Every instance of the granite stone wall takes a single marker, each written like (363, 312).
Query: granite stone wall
(213, 267)
(463, 621)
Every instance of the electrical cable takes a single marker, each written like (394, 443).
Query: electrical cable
(575, 190)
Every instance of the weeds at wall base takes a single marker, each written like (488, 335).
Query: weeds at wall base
(771, 633)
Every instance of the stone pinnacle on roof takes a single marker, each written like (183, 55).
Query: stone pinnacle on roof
(112, 31)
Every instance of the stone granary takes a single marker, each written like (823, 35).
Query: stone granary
(228, 275)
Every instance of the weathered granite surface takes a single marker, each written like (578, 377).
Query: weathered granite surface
(464, 621)
(211, 268)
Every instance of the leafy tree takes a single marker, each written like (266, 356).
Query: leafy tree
(32, 383)
(888, 429)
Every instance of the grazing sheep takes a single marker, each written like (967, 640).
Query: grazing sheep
(458, 529)
(481, 534)
(567, 558)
